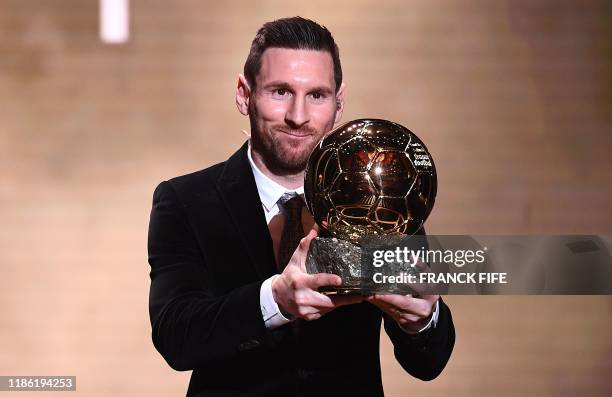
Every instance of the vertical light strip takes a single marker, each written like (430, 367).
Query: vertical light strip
(114, 21)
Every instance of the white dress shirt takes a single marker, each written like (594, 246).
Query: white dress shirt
(269, 193)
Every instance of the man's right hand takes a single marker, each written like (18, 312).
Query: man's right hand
(295, 291)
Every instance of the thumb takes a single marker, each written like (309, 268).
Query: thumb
(305, 242)
(316, 228)
(301, 253)
(314, 232)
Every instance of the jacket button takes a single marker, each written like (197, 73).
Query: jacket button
(248, 345)
(305, 374)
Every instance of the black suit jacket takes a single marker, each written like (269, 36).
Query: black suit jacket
(210, 251)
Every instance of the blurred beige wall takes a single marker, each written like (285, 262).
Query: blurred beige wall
(513, 98)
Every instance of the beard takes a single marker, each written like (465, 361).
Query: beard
(280, 154)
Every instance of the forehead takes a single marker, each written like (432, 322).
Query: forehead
(296, 67)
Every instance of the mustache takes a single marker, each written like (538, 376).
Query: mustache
(304, 131)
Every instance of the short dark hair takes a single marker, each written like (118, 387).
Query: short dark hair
(293, 33)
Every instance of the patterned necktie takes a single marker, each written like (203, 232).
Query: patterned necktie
(291, 205)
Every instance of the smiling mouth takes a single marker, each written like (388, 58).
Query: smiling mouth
(297, 134)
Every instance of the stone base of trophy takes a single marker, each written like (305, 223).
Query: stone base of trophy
(343, 258)
(334, 256)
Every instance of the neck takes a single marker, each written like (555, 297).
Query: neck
(287, 180)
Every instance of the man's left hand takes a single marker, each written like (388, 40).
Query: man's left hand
(411, 313)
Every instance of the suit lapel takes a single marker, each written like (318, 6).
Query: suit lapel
(238, 190)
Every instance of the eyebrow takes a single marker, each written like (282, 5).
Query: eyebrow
(282, 84)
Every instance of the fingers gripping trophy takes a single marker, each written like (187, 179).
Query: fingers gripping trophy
(368, 178)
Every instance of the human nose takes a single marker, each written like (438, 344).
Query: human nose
(297, 114)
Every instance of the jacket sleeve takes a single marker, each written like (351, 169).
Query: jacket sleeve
(423, 355)
(191, 327)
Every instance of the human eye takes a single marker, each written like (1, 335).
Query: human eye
(318, 96)
(280, 93)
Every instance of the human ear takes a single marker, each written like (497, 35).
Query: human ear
(243, 92)
(340, 102)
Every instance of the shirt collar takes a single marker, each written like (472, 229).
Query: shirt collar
(269, 190)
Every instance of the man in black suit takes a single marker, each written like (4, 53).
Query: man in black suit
(230, 298)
